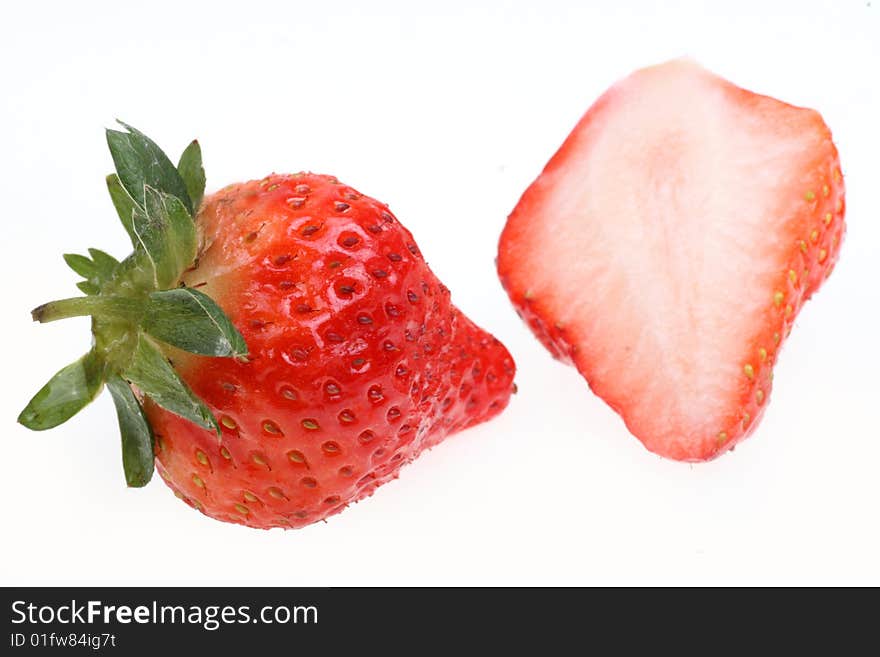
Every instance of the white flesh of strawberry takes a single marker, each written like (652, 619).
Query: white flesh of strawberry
(669, 216)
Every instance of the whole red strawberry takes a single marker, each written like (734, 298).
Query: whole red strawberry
(357, 358)
(345, 357)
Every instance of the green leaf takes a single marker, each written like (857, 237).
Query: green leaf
(105, 263)
(88, 288)
(66, 393)
(192, 321)
(124, 204)
(167, 234)
(141, 163)
(137, 436)
(150, 371)
(81, 265)
(96, 272)
(193, 174)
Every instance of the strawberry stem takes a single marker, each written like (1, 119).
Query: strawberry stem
(110, 307)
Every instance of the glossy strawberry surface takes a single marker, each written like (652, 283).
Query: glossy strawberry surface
(357, 358)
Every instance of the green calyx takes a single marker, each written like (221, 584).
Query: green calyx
(138, 304)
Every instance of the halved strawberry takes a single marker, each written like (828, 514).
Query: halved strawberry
(667, 247)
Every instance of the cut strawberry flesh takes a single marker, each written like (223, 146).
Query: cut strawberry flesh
(649, 251)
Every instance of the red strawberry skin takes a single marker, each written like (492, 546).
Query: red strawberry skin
(357, 358)
(583, 272)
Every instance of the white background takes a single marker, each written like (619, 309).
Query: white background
(446, 112)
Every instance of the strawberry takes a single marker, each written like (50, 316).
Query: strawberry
(668, 246)
(358, 359)
(289, 350)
